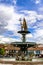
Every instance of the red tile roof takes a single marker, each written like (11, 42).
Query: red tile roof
(35, 48)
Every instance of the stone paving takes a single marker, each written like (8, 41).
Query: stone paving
(11, 61)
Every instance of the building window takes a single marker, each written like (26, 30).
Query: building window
(37, 52)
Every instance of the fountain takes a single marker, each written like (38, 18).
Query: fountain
(24, 31)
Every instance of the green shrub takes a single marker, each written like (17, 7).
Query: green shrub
(2, 51)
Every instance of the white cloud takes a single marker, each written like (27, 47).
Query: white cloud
(2, 42)
(35, 21)
(29, 12)
(12, 18)
(29, 36)
(3, 18)
(9, 19)
(14, 1)
(32, 16)
(37, 1)
(38, 36)
(40, 17)
(40, 9)
(38, 33)
(8, 15)
(8, 40)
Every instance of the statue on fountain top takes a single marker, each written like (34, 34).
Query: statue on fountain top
(24, 25)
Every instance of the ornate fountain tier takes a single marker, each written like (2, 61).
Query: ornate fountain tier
(23, 46)
(23, 32)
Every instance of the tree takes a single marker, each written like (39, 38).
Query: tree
(2, 51)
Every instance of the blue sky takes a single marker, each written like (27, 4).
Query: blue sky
(10, 13)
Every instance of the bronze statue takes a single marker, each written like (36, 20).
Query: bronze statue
(24, 25)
